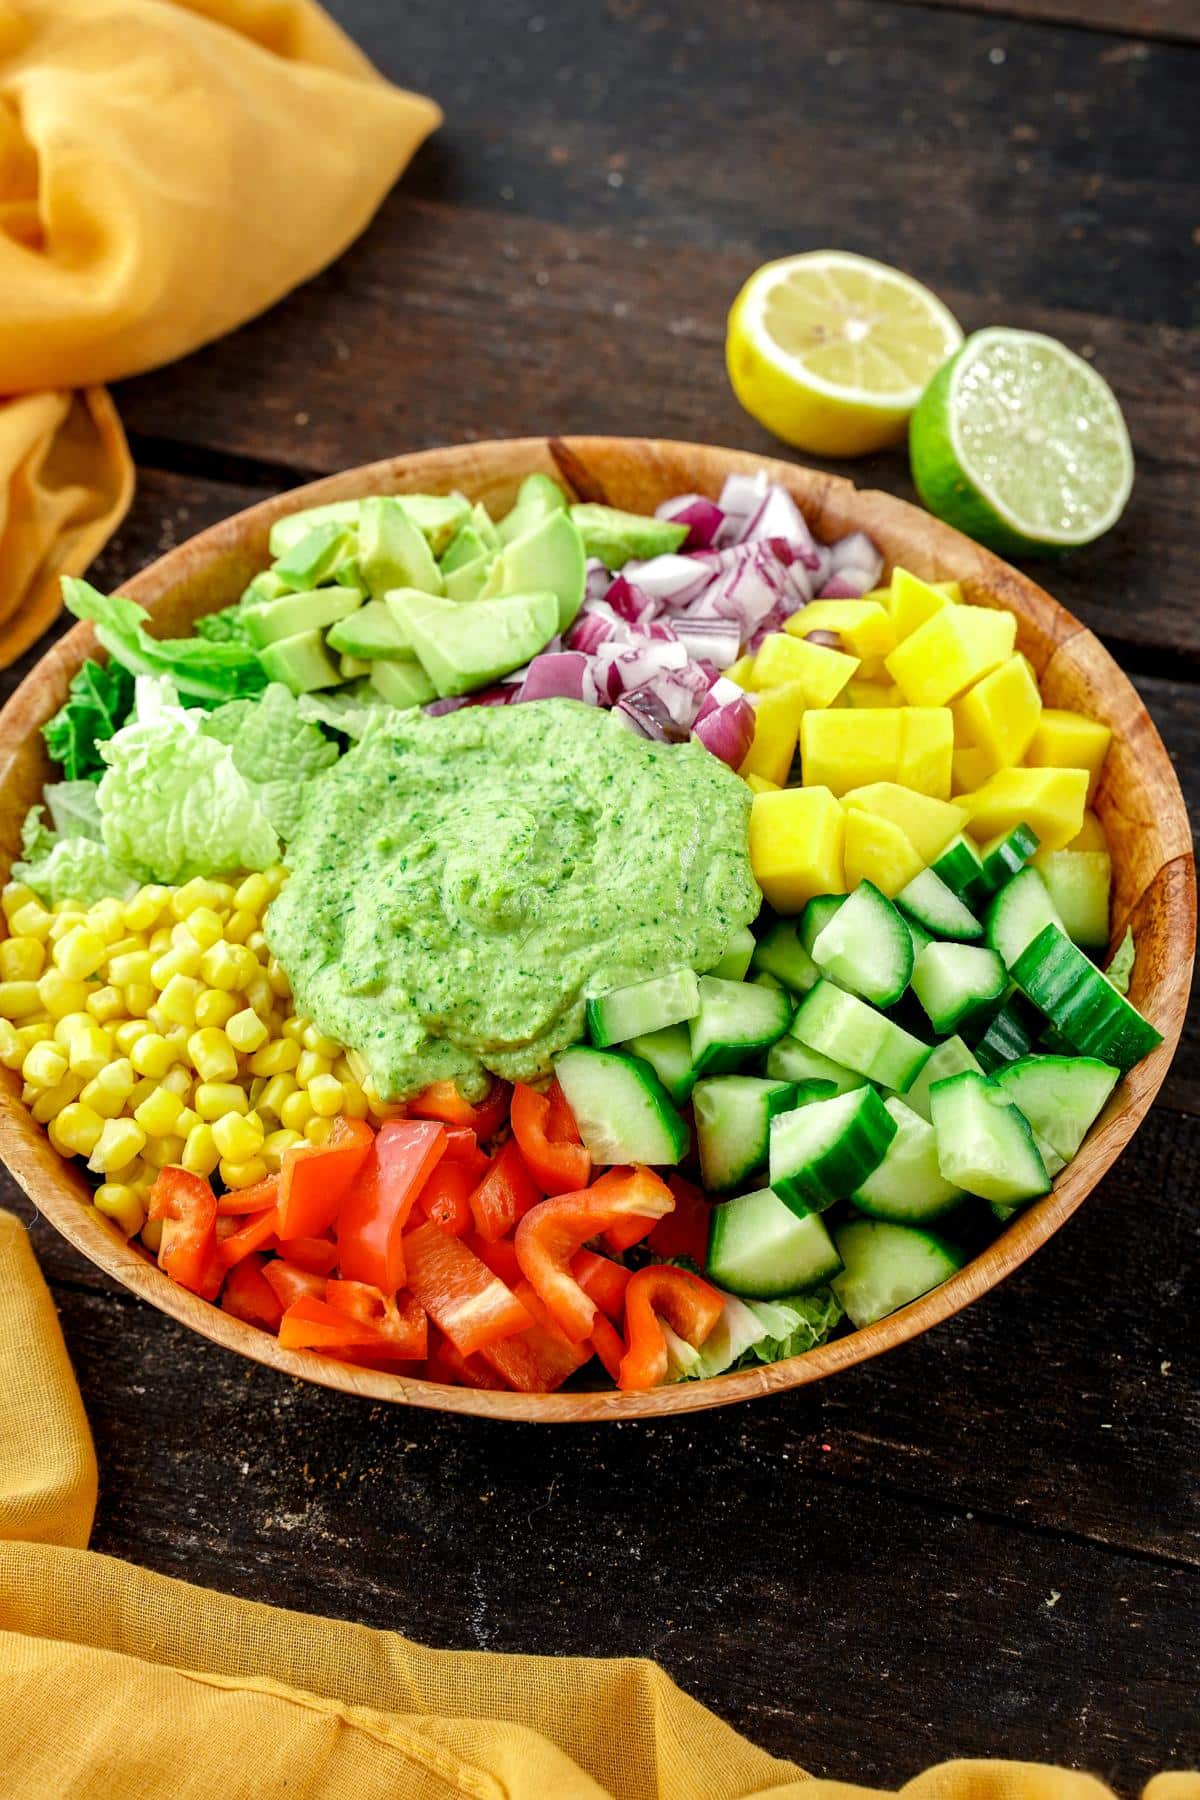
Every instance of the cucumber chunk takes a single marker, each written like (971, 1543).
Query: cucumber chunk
(938, 910)
(644, 1006)
(960, 868)
(887, 1266)
(1006, 856)
(950, 1058)
(953, 981)
(865, 947)
(1021, 909)
(737, 956)
(908, 1185)
(780, 953)
(669, 1053)
(822, 1152)
(1079, 882)
(816, 916)
(984, 1143)
(622, 1109)
(1006, 1038)
(847, 1030)
(1082, 1004)
(790, 1060)
(733, 1123)
(761, 1248)
(736, 1019)
(1061, 1096)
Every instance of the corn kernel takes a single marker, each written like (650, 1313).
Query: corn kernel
(159, 1112)
(275, 1144)
(179, 1080)
(276, 1058)
(326, 1094)
(15, 896)
(180, 959)
(314, 1039)
(177, 1002)
(295, 1029)
(160, 940)
(200, 1153)
(47, 1103)
(44, 1066)
(212, 1055)
(277, 976)
(152, 1055)
(143, 909)
(66, 1027)
(91, 1049)
(12, 1052)
(276, 875)
(239, 925)
(163, 1152)
(238, 1137)
(130, 966)
(319, 1131)
(260, 996)
(75, 1130)
(212, 1098)
(311, 1065)
(252, 894)
(18, 999)
(257, 941)
(274, 1092)
(108, 1092)
(79, 953)
(66, 919)
(354, 1101)
(197, 892)
(220, 968)
(140, 996)
(60, 993)
(38, 1031)
(31, 920)
(215, 1008)
(105, 1004)
(187, 1120)
(205, 926)
(127, 1033)
(246, 1030)
(105, 917)
(296, 1111)
(243, 1174)
(124, 1206)
(22, 959)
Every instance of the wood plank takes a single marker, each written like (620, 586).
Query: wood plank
(1175, 20)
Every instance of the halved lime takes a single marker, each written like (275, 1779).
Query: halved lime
(1020, 444)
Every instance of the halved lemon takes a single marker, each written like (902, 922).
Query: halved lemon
(832, 351)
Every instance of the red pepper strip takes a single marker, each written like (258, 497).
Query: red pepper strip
(560, 1166)
(249, 1296)
(505, 1194)
(685, 1231)
(622, 1234)
(442, 1100)
(446, 1197)
(290, 1283)
(540, 1359)
(689, 1306)
(376, 1208)
(259, 1233)
(187, 1207)
(310, 1324)
(602, 1280)
(318, 1255)
(449, 1366)
(500, 1257)
(315, 1177)
(401, 1323)
(608, 1344)
(252, 1199)
(549, 1236)
(462, 1146)
(459, 1292)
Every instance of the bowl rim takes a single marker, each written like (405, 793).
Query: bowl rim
(59, 1191)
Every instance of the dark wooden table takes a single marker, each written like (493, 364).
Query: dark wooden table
(989, 1542)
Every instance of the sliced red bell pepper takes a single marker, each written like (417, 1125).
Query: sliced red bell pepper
(608, 1344)
(400, 1322)
(500, 1257)
(684, 1232)
(544, 1127)
(254, 1199)
(187, 1250)
(247, 1295)
(319, 1255)
(315, 1177)
(452, 1369)
(311, 1324)
(442, 1100)
(459, 1292)
(602, 1280)
(622, 1234)
(446, 1197)
(290, 1283)
(505, 1194)
(549, 1236)
(539, 1360)
(462, 1146)
(690, 1306)
(375, 1210)
(258, 1233)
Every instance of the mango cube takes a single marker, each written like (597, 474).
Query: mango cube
(796, 846)
(1068, 740)
(776, 725)
(1091, 835)
(862, 693)
(928, 824)
(957, 646)
(864, 626)
(970, 768)
(844, 749)
(758, 784)
(1052, 801)
(821, 672)
(913, 601)
(1000, 714)
(878, 850)
(926, 750)
(742, 671)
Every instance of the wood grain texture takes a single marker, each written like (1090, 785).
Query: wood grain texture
(1175, 20)
(1139, 803)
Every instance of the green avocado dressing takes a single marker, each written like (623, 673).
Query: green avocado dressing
(460, 885)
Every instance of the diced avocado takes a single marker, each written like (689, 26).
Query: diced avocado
(292, 527)
(436, 516)
(293, 613)
(402, 683)
(265, 586)
(302, 662)
(537, 497)
(466, 546)
(467, 582)
(314, 557)
(349, 574)
(391, 551)
(465, 647)
(550, 556)
(485, 525)
(371, 633)
(616, 536)
(352, 667)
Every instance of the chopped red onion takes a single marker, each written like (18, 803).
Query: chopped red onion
(780, 517)
(682, 692)
(856, 551)
(437, 708)
(560, 675)
(828, 640)
(739, 499)
(645, 714)
(848, 584)
(619, 668)
(596, 579)
(755, 582)
(633, 604)
(673, 579)
(499, 695)
(728, 731)
(702, 517)
(715, 641)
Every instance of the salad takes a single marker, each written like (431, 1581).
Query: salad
(569, 947)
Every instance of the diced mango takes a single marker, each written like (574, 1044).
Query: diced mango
(758, 784)
(926, 750)
(1091, 835)
(879, 851)
(970, 768)
(957, 646)
(1068, 740)
(796, 846)
(864, 626)
(1050, 800)
(742, 671)
(1000, 714)
(928, 824)
(863, 693)
(839, 750)
(776, 726)
(821, 672)
(913, 601)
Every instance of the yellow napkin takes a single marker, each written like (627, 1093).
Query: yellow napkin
(167, 169)
(117, 1682)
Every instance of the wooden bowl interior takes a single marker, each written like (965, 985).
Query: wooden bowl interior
(1139, 803)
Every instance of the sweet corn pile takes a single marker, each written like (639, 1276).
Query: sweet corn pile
(159, 1030)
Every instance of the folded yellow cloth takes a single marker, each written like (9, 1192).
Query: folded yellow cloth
(168, 168)
(119, 1683)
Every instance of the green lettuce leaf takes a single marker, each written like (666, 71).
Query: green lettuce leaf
(100, 697)
(204, 672)
(225, 627)
(74, 809)
(71, 867)
(275, 749)
(813, 1318)
(352, 710)
(1120, 969)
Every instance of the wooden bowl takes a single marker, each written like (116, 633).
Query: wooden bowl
(1139, 802)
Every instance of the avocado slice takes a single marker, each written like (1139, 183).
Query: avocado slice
(537, 497)
(402, 684)
(484, 524)
(391, 551)
(271, 620)
(465, 647)
(467, 581)
(436, 516)
(352, 667)
(314, 557)
(302, 662)
(466, 546)
(349, 574)
(616, 536)
(550, 556)
(265, 586)
(371, 634)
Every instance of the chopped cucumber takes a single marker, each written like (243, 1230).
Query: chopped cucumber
(763, 979)
(622, 1109)
(760, 1247)
(736, 1019)
(950, 1058)
(920, 937)
(1021, 909)
(1079, 882)
(816, 916)
(733, 1123)
(645, 1006)
(1006, 1038)
(933, 906)
(846, 1029)
(1061, 1096)
(790, 1060)
(669, 1053)
(908, 1185)
(960, 869)
(887, 1266)
(739, 952)
(953, 981)
(1006, 856)
(984, 1143)
(865, 947)
(780, 953)
(1082, 1004)
(822, 1152)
